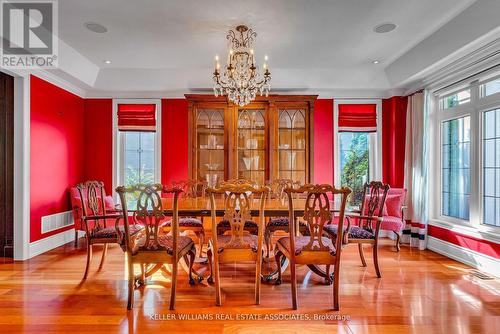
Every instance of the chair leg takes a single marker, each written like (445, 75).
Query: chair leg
(398, 241)
(267, 240)
(131, 283)
(375, 259)
(192, 256)
(293, 275)
(336, 277)
(210, 278)
(277, 257)
(76, 238)
(174, 285)
(362, 254)
(218, 301)
(103, 257)
(201, 238)
(89, 257)
(258, 278)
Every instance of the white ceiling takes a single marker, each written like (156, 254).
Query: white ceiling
(167, 47)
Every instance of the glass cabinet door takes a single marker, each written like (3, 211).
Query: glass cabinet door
(210, 145)
(251, 144)
(292, 144)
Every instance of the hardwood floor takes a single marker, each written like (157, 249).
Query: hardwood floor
(419, 292)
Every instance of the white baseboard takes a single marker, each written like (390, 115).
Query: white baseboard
(44, 245)
(472, 258)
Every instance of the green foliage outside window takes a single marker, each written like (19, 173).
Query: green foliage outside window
(355, 166)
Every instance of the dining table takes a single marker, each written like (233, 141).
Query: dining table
(200, 207)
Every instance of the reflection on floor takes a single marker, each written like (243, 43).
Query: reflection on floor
(419, 292)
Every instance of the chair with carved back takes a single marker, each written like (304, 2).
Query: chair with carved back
(275, 224)
(314, 249)
(239, 245)
(95, 220)
(191, 189)
(250, 225)
(153, 246)
(363, 227)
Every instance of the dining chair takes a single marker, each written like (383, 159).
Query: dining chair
(95, 219)
(363, 227)
(314, 249)
(153, 246)
(238, 246)
(250, 225)
(275, 224)
(191, 189)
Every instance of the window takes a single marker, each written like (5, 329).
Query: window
(357, 130)
(455, 168)
(455, 99)
(137, 144)
(491, 167)
(465, 144)
(490, 87)
(354, 163)
(139, 160)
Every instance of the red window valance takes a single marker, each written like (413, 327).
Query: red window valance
(357, 117)
(137, 117)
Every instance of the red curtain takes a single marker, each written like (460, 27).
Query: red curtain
(393, 140)
(357, 118)
(137, 117)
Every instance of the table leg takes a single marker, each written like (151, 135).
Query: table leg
(274, 275)
(153, 268)
(320, 272)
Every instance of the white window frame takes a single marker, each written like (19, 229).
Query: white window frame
(375, 168)
(118, 141)
(474, 109)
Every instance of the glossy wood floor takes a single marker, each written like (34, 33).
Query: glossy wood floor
(419, 292)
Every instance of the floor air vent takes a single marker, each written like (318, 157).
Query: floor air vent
(480, 274)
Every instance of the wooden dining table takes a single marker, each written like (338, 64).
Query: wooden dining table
(200, 207)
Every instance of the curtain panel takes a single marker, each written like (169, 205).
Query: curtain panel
(416, 170)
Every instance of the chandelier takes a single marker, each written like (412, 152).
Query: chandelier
(241, 80)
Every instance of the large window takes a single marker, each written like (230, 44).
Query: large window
(455, 168)
(491, 167)
(466, 148)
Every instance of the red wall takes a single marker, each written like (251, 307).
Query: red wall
(481, 246)
(393, 140)
(174, 141)
(323, 141)
(56, 143)
(99, 141)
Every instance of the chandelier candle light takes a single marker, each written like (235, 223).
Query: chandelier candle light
(241, 80)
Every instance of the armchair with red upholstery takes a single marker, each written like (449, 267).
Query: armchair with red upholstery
(393, 214)
(76, 205)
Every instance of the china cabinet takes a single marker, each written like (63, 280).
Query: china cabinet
(267, 139)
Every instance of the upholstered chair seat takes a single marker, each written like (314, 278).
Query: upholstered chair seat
(301, 242)
(355, 232)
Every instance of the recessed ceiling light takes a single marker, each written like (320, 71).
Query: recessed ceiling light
(384, 28)
(375, 61)
(106, 61)
(95, 27)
